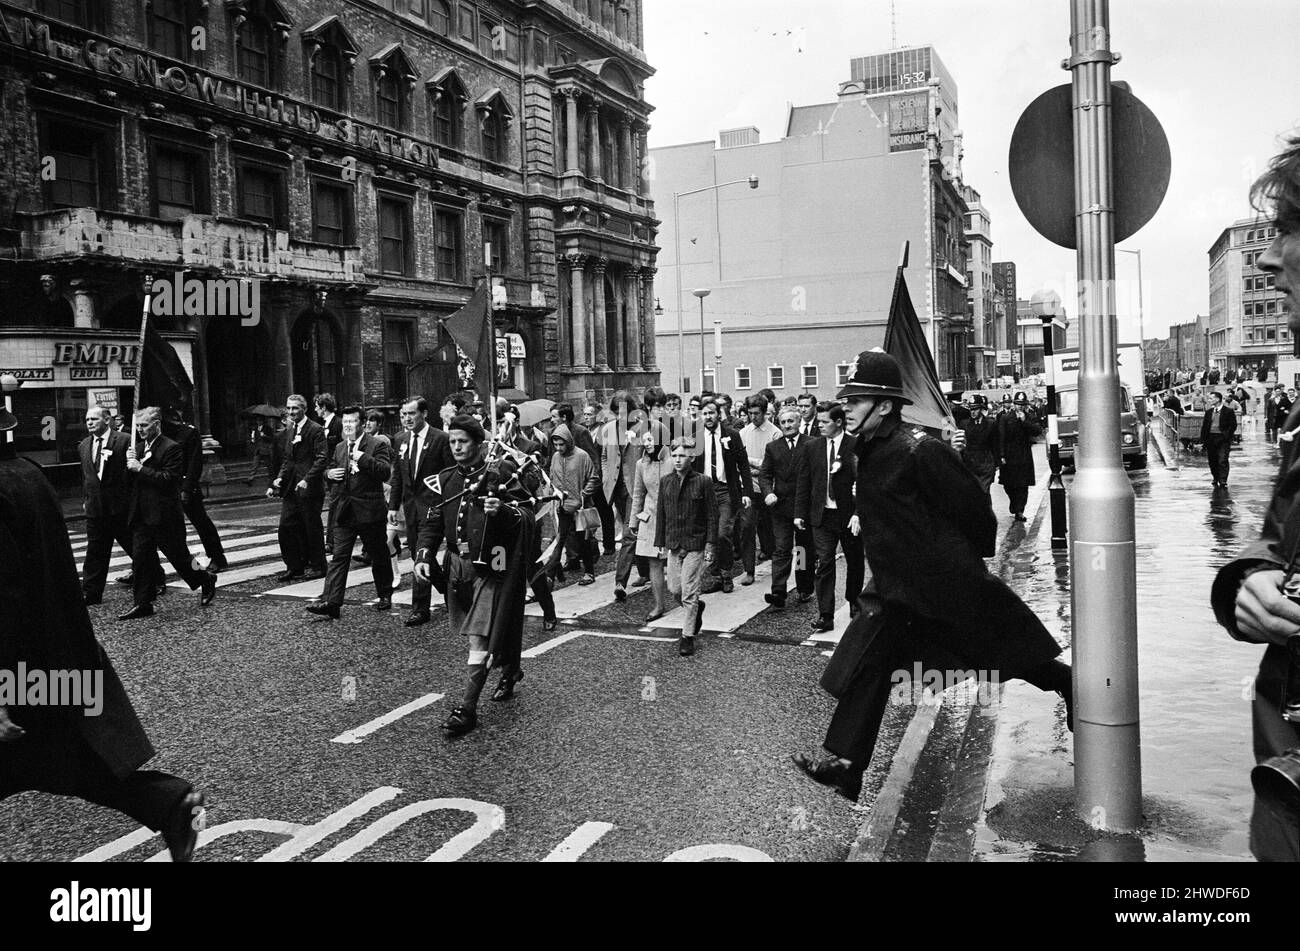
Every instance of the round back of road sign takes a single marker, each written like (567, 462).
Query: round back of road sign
(1042, 164)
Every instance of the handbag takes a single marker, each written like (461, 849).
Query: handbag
(587, 517)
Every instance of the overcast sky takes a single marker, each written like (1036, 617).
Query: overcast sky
(1223, 78)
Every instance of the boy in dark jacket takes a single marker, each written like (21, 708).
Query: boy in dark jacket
(688, 528)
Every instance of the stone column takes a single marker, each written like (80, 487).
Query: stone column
(627, 167)
(642, 178)
(634, 322)
(593, 142)
(571, 166)
(617, 346)
(648, 357)
(562, 334)
(600, 356)
(577, 293)
(83, 303)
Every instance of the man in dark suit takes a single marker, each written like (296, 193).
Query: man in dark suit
(187, 437)
(422, 452)
(827, 470)
(778, 478)
(722, 458)
(326, 412)
(808, 415)
(155, 515)
(1216, 435)
(91, 747)
(107, 497)
(362, 465)
(301, 486)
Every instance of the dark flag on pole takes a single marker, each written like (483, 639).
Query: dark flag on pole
(471, 328)
(905, 341)
(163, 380)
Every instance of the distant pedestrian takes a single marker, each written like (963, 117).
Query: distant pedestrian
(981, 451)
(688, 531)
(1018, 426)
(1217, 428)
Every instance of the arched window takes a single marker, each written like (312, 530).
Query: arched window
(255, 52)
(440, 17)
(260, 27)
(388, 98)
(327, 78)
(170, 23)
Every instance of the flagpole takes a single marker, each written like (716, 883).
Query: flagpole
(490, 330)
(139, 355)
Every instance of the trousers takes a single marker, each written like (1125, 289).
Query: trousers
(101, 532)
(207, 532)
(302, 536)
(374, 542)
(146, 542)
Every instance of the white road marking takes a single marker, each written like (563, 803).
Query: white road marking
(318, 832)
(80, 545)
(363, 731)
(576, 600)
(274, 826)
(196, 547)
(578, 842)
(488, 819)
(709, 853)
(543, 647)
(627, 637)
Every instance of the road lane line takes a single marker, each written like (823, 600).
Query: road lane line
(196, 547)
(319, 831)
(361, 732)
(628, 637)
(543, 647)
(576, 600)
(579, 841)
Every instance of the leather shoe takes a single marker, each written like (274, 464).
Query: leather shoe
(313, 573)
(853, 610)
(208, 589)
(417, 618)
(833, 772)
(550, 623)
(620, 593)
(330, 611)
(137, 612)
(461, 721)
(777, 601)
(823, 624)
(654, 616)
(805, 596)
(126, 579)
(286, 576)
(685, 645)
(640, 582)
(728, 586)
(699, 619)
(219, 565)
(747, 579)
(382, 604)
(182, 835)
(506, 687)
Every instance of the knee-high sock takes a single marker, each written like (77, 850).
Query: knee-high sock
(474, 686)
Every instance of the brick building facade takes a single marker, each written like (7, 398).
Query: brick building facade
(351, 163)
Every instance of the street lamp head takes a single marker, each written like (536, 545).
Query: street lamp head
(753, 181)
(701, 292)
(659, 308)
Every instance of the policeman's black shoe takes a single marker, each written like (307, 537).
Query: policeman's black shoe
(833, 772)
(417, 618)
(461, 721)
(686, 645)
(209, 589)
(137, 612)
(126, 579)
(182, 833)
(776, 600)
(323, 609)
(506, 688)
(822, 624)
(728, 585)
(286, 576)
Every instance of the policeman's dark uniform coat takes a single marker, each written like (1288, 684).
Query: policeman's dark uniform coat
(44, 624)
(926, 528)
(1274, 832)
(358, 510)
(409, 492)
(485, 575)
(157, 519)
(1015, 441)
(192, 489)
(106, 501)
(981, 452)
(302, 536)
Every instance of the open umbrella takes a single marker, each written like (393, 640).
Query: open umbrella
(533, 412)
(262, 409)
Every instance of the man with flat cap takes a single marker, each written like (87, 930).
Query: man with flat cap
(94, 750)
(926, 528)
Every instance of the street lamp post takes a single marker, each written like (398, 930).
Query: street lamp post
(701, 293)
(717, 353)
(752, 182)
(1047, 304)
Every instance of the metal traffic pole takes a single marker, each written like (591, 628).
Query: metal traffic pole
(1047, 305)
(1107, 770)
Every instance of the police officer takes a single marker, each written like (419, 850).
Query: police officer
(980, 454)
(926, 528)
(486, 518)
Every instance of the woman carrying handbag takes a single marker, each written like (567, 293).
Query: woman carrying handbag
(650, 468)
(574, 474)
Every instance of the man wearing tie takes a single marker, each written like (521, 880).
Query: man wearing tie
(778, 479)
(808, 416)
(107, 497)
(724, 462)
(422, 453)
(155, 515)
(362, 465)
(1216, 435)
(825, 503)
(302, 490)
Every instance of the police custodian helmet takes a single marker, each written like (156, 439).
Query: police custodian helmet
(876, 374)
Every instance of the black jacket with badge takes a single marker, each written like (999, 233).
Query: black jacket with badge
(358, 498)
(1015, 444)
(927, 526)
